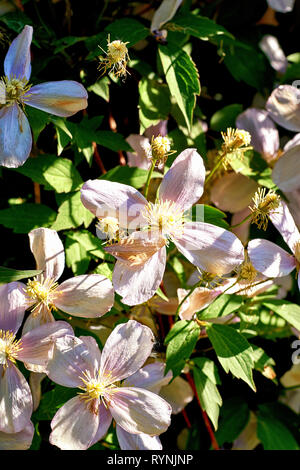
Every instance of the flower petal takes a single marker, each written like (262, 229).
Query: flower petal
(283, 107)
(151, 377)
(211, 248)
(283, 6)
(184, 181)
(264, 134)
(74, 426)
(242, 231)
(17, 59)
(233, 192)
(15, 400)
(15, 137)
(138, 158)
(48, 252)
(37, 345)
(109, 199)
(286, 171)
(17, 441)
(128, 441)
(161, 128)
(269, 259)
(178, 394)
(13, 303)
(164, 13)
(137, 284)
(285, 224)
(87, 295)
(139, 411)
(63, 98)
(104, 423)
(199, 299)
(126, 350)
(71, 358)
(271, 47)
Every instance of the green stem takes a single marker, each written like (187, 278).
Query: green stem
(149, 178)
(215, 168)
(242, 222)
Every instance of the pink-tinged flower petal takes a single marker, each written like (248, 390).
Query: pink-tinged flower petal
(48, 252)
(94, 357)
(271, 47)
(17, 441)
(183, 183)
(178, 394)
(243, 231)
(292, 143)
(151, 377)
(161, 128)
(74, 426)
(283, 107)
(233, 192)
(71, 358)
(211, 248)
(37, 318)
(17, 59)
(139, 411)
(293, 203)
(104, 423)
(286, 171)
(88, 296)
(164, 13)
(138, 158)
(15, 400)
(129, 441)
(13, 305)
(264, 134)
(109, 199)
(269, 259)
(200, 298)
(63, 98)
(126, 350)
(37, 345)
(15, 137)
(35, 382)
(285, 224)
(162, 306)
(246, 288)
(283, 6)
(138, 283)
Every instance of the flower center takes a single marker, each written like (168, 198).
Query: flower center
(117, 51)
(116, 58)
(235, 138)
(96, 387)
(41, 291)
(9, 347)
(160, 148)
(263, 205)
(247, 272)
(110, 226)
(164, 216)
(14, 90)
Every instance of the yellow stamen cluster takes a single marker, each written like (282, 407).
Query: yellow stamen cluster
(41, 292)
(263, 205)
(96, 388)
(9, 347)
(116, 58)
(247, 272)
(297, 252)
(160, 149)
(13, 90)
(165, 217)
(235, 139)
(110, 226)
(209, 280)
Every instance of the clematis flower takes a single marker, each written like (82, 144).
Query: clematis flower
(141, 257)
(35, 347)
(283, 107)
(62, 98)
(78, 363)
(88, 296)
(164, 13)
(178, 394)
(272, 260)
(271, 47)
(17, 441)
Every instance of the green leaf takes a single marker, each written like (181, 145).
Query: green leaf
(178, 268)
(272, 432)
(127, 30)
(262, 362)
(233, 351)
(223, 305)
(101, 88)
(10, 275)
(209, 215)
(234, 417)
(200, 27)
(182, 79)
(80, 248)
(37, 120)
(105, 269)
(286, 310)
(132, 176)
(225, 117)
(208, 393)
(154, 102)
(52, 401)
(25, 217)
(180, 341)
(72, 213)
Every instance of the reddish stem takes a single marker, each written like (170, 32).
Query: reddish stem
(210, 431)
(184, 414)
(37, 192)
(98, 158)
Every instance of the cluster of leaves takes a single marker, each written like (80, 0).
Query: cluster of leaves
(163, 83)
